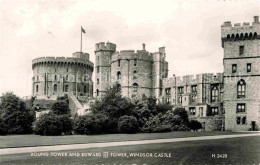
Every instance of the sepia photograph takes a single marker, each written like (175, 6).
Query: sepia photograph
(129, 82)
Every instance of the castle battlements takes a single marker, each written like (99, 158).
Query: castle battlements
(240, 32)
(105, 46)
(63, 60)
(193, 79)
(132, 54)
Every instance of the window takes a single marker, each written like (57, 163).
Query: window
(98, 69)
(244, 120)
(97, 92)
(55, 69)
(67, 77)
(135, 87)
(180, 90)
(97, 81)
(167, 100)
(214, 111)
(248, 67)
(118, 75)
(241, 89)
(67, 70)
(37, 88)
(241, 107)
(238, 120)
(97, 59)
(160, 91)
(192, 111)
(67, 88)
(168, 92)
(180, 99)
(194, 89)
(55, 87)
(135, 75)
(234, 68)
(118, 63)
(37, 78)
(201, 111)
(241, 50)
(135, 62)
(55, 78)
(241, 121)
(214, 93)
(85, 89)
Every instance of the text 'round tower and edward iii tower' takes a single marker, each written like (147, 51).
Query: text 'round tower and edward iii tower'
(139, 73)
(54, 76)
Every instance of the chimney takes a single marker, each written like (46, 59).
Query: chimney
(256, 19)
(143, 46)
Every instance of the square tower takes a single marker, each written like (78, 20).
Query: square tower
(241, 44)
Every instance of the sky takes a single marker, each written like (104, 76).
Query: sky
(189, 30)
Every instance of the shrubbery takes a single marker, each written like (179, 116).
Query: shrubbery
(195, 125)
(91, 124)
(48, 124)
(15, 117)
(128, 124)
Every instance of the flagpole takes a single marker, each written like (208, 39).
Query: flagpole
(81, 39)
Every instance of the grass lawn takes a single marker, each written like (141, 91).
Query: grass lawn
(36, 140)
(244, 150)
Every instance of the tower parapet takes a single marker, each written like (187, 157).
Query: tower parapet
(105, 46)
(240, 32)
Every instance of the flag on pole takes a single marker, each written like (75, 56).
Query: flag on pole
(83, 30)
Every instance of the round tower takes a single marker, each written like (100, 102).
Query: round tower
(54, 76)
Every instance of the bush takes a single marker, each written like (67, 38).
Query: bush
(60, 108)
(91, 124)
(67, 124)
(48, 124)
(156, 124)
(183, 115)
(3, 130)
(128, 124)
(16, 118)
(195, 125)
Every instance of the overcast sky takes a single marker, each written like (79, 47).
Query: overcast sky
(190, 31)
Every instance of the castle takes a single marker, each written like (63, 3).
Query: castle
(222, 101)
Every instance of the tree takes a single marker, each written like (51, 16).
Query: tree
(15, 117)
(128, 124)
(195, 125)
(163, 108)
(60, 108)
(48, 124)
(67, 124)
(183, 115)
(92, 124)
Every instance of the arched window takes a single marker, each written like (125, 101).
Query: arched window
(244, 120)
(85, 89)
(67, 88)
(228, 36)
(135, 75)
(241, 89)
(118, 75)
(135, 87)
(55, 78)
(237, 36)
(119, 63)
(255, 35)
(250, 35)
(246, 36)
(55, 87)
(214, 94)
(97, 92)
(67, 77)
(37, 88)
(241, 36)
